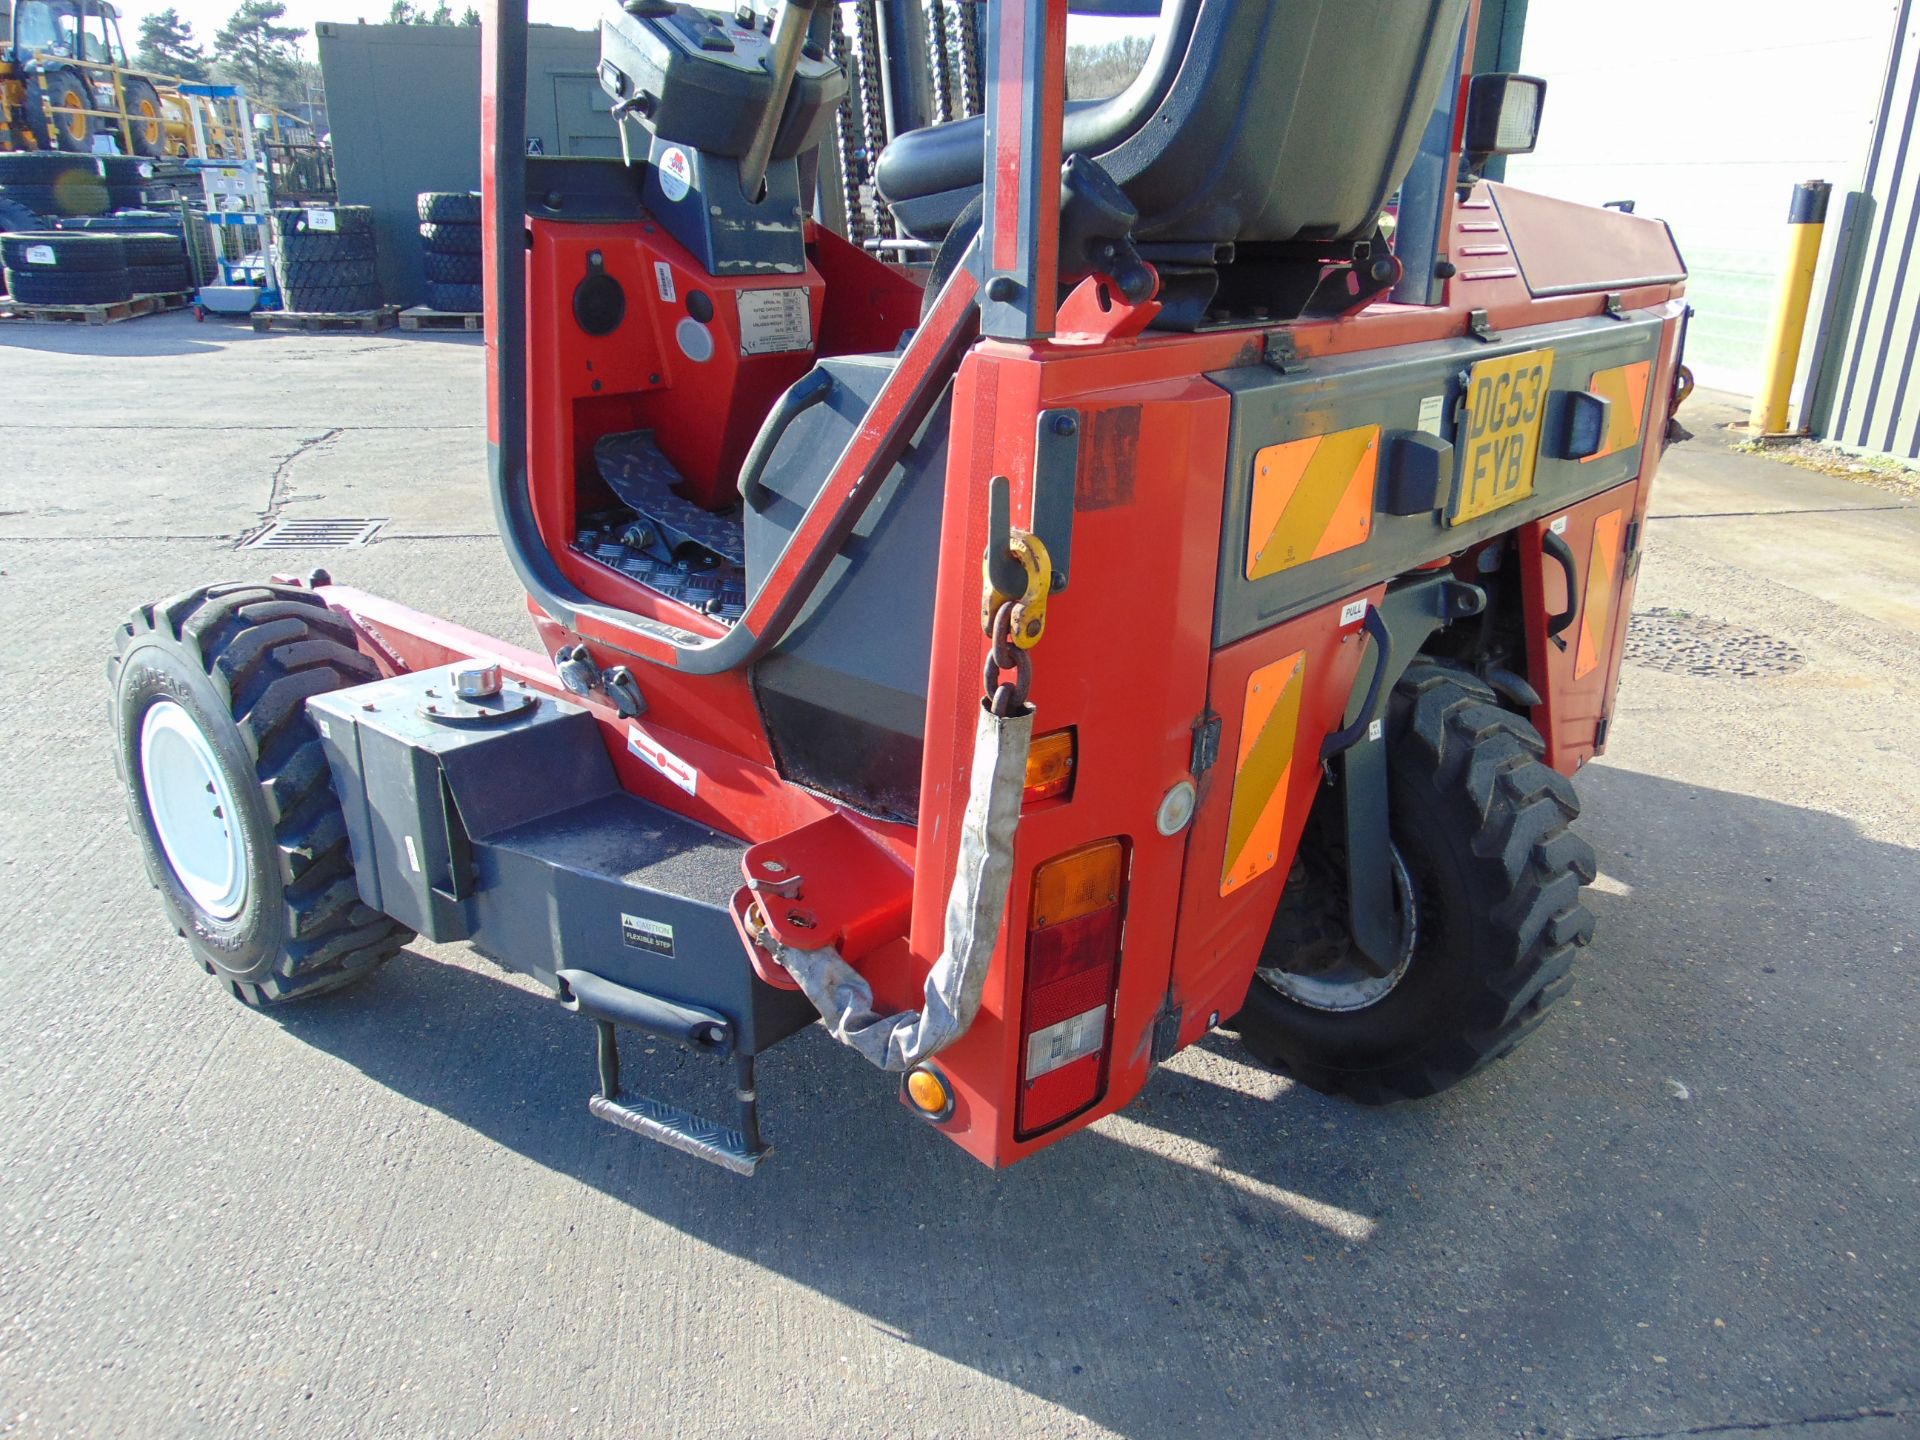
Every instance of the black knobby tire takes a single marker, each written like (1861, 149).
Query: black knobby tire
(15, 216)
(77, 193)
(451, 207)
(78, 287)
(450, 269)
(171, 279)
(326, 274)
(457, 299)
(318, 245)
(68, 90)
(1483, 827)
(145, 247)
(146, 118)
(41, 167)
(347, 220)
(331, 299)
(72, 251)
(452, 239)
(241, 660)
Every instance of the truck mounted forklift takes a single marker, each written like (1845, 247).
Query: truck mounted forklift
(1024, 583)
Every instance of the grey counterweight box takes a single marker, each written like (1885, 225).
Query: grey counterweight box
(509, 829)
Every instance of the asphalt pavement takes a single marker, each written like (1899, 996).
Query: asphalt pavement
(1687, 1206)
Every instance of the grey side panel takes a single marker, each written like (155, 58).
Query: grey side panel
(844, 696)
(1387, 388)
(405, 109)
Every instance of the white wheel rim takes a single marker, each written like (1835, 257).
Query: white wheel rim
(193, 810)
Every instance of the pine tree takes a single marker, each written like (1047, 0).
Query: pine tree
(470, 16)
(167, 46)
(256, 49)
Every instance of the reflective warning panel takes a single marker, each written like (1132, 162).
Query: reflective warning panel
(1602, 590)
(1624, 388)
(1310, 498)
(1269, 728)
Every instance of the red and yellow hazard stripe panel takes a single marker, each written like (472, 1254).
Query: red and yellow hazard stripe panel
(1269, 729)
(1311, 497)
(1624, 388)
(1602, 589)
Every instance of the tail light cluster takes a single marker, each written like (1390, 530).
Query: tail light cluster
(1073, 960)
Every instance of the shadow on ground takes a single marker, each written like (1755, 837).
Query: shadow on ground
(1586, 1236)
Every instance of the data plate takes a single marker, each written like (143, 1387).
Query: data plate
(1499, 437)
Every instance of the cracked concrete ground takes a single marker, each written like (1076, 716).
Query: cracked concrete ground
(1687, 1207)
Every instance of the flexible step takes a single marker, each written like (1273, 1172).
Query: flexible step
(681, 1130)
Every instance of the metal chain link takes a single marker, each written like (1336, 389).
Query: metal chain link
(1007, 698)
(848, 132)
(973, 96)
(942, 61)
(866, 25)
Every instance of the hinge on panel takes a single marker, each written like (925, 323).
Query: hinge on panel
(1632, 542)
(1600, 732)
(1282, 354)
(1206, 744)
(1481, 326)
(1616, 307)
(1166, 1033)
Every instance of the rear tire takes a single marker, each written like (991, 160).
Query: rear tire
(145, 119)
(67, 91)
(208, 693)
(1495, 871)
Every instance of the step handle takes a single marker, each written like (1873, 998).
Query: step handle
(689, 1025)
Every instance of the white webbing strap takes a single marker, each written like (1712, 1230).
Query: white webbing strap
(976, 905)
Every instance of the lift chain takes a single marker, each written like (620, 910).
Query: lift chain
(1007, 698)
(1014, 622)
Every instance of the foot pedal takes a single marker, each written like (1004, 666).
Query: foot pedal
(681, 1130)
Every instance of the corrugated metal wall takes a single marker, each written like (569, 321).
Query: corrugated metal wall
(1870, 380)
(405, 107)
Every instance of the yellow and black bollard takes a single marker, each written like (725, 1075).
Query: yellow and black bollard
(1806, 222)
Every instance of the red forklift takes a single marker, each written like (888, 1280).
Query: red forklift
(1025, 589)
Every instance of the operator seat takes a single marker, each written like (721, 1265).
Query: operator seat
(1252, 120)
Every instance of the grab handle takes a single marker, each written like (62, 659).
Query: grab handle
(1342, 740)
(1555, 547)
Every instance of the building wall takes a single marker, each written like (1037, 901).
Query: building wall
(405, 107)
(1869, 383)
(1707, 115)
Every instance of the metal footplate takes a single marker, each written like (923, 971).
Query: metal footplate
(608, 1006)
(682, 1130)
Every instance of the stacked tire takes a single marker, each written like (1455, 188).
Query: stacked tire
(192, 247)
(327, 259)
(66, 267)
(15, 216)
(450, 241)
(60, 185)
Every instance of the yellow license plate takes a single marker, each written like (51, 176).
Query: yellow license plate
(1499, 440)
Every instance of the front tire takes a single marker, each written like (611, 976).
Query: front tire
(229, 791)
(1490, 911)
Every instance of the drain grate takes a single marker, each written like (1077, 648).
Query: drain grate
(315, 534)
(1684, 644)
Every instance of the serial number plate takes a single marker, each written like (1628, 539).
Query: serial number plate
(1500, 432)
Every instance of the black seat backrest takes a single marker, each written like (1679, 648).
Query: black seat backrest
(1252, 120)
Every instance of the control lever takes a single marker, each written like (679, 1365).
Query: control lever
(783, 60)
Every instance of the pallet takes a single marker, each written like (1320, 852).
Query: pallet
(365, 322)
(425, 317)
(111, 313)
